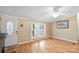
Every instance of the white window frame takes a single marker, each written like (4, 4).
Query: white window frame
(32, 29)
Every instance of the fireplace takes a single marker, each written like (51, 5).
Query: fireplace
(2, 46)
(2, 42)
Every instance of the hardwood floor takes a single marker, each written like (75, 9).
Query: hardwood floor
(46, 46)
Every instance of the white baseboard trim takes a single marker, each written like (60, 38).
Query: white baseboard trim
(66, 39)
(36, 39)
(21, 43)
(11, 46)
(32, 40)
(49, 37)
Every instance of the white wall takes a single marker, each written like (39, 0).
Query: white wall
(11, 39)
(78, 26)
(69, 34)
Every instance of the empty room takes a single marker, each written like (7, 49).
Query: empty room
(39, 29)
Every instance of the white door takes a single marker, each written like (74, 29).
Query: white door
(8, 25)
(21, 31)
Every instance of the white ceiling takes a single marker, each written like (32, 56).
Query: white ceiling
(40, 13)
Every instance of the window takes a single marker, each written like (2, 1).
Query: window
(38, 30)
